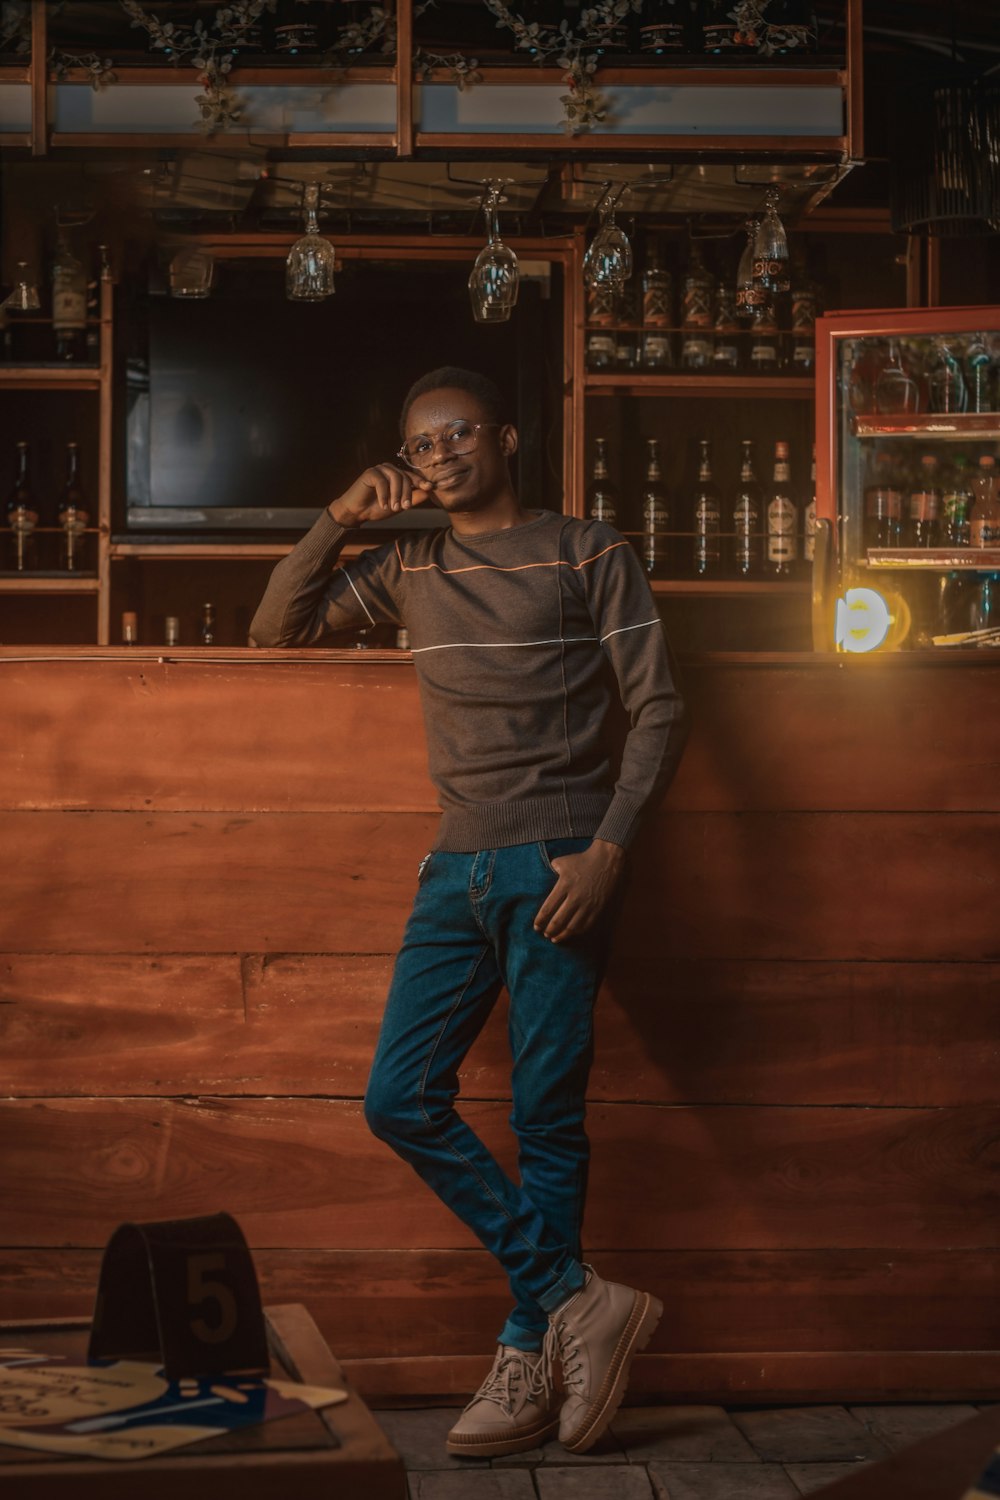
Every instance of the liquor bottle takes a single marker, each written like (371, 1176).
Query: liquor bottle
(73, 514)
(602, 497)
(765, 344)
(726, 353)
(69, 303)
(655, 516)
(601, 346)
(720, 29)
(948, 391)
(747, 512)
(924, 529)
(664, 27)
(130, 628)
(751, 299)
(707, 519)
(206, 628)
(657, 301)
(979, 368)
(984, 522)
(956, 503)
(627, 338)
(809, 518)
(172, 630)
(696, 314)
(782, 519)
(803, 318)
(883, 504)
(22, 512)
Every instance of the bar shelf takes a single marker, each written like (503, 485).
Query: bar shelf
(949, 559)
(50, 377)
(963, 426)
(48, 583)
(788, 386)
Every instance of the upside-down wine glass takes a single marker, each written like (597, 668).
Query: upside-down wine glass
(608, 261)
(311, 260)
(494, 278)
(770, 250)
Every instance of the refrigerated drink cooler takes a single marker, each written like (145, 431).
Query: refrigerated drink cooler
(908, 480)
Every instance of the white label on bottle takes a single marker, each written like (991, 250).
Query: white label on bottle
(69, 304)
(781, 530)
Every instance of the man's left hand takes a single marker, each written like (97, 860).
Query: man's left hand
(583, 889)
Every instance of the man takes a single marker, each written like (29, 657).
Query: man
(515, 617)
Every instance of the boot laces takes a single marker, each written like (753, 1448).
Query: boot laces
(512, 1372)
(562, 1343)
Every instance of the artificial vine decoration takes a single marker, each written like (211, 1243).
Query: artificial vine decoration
(755, 30)
(210, 49)
(100, 70)
(15, 26)
(463, 71)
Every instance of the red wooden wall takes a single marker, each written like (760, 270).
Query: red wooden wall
(207, 864)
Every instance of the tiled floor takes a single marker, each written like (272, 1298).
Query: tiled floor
(674, 1453)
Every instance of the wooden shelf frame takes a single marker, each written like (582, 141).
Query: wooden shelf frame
(407, 139)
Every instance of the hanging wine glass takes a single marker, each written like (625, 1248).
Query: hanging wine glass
(494, 278)
(608, 261)
(311, 260)
(896, 391)
(770, 250)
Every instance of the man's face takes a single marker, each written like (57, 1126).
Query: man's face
(466, 481)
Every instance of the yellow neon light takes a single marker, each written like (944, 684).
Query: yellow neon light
(862, 622)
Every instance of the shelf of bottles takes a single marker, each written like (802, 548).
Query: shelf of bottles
(48, 558)
(918, 438)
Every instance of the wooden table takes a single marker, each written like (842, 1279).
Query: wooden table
(338, 1451)
(942, 1467)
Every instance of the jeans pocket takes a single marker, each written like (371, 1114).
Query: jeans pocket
(551, 849)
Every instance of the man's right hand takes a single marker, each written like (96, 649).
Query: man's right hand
(378, 492)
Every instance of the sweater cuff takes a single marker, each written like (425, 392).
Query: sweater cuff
(322, 538)
(620, 823)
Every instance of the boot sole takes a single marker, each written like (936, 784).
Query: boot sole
(646, 1314)
(494, 1447)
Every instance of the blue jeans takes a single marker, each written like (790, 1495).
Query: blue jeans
(469, 934)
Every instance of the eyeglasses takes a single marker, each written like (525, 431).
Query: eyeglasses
(457, 437)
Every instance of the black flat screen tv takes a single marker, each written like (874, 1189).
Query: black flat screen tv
(248, 412)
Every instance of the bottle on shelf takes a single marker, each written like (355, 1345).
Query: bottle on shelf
(69, 303)
(804, 306)
(172, 630)
(655, 515)
(73, 514)
(601, 319)
(726, 351)
(22, 513)
(924, 529)
(748, 508)
(765, 344)
(751, 299)
(657, 301)
(956, 503)
(130, 628)
(707, 552)
(948, 391)
(696, 314)
(665, 27)
(809, 518)
(883, 504)
(627, 339)
(206, 627)
(602, 497)
(782, 519)
(720, 31)
(984, 522)
(979, 371)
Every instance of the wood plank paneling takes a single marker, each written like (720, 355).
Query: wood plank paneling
(765, 737)
(706, 1032)
(304, 1173)
(753, 885)
(412, 1303)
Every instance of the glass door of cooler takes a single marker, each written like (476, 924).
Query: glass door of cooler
(908, 479)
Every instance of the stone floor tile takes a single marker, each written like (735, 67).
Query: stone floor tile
(419, 1436)
(593, 1484)
(808, 1434)
(809, 1477)
(482, 1484)
(607, 1450)
(692, 1434)
(900, 1424)
(715, 1481)
(527, 1459)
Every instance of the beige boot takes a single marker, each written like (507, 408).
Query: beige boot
(596, 1335)
(514, 1408)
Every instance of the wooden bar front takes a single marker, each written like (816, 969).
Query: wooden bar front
(208, 861)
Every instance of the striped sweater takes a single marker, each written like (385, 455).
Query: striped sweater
(519, 637)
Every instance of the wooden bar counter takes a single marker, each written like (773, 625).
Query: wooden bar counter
(208, 859)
